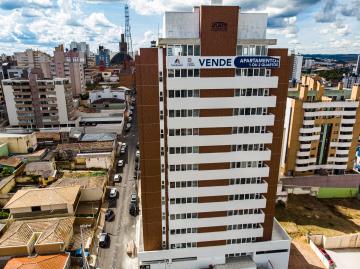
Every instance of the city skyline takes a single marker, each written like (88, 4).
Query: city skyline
(330, 25)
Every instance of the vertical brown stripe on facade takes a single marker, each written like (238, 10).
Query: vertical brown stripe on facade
(211, 229)
(215, 131)
(281, 95)
(211, 243)
(213, 199)
(214, 166)
(213, 183)
(226, 112)
(214, 214)
(214, 149)
(217, 93)
(149, 139)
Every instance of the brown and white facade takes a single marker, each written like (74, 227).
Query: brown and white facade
(324, 128)
(210, 140)
(39, 103)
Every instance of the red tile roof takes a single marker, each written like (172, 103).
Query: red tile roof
(57, 261)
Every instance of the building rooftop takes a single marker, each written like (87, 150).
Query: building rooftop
(48, 135)
(71, 179)
(52, 230)
(42, 197)
(44, 169)
(98, 137)
(11, 162)
(86, 146)
(57, 261)
(4, 135)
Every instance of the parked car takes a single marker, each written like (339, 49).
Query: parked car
(123, 148)
(129, 119)
(109, 215)
(130, 113)
(113, 193)
(133, 198)
(117, 178)
(137, 145)
(121, 163)
(128, 127)
(104, 240)
(137, 154)
(134, 210)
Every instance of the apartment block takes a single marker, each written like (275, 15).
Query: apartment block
(35, 103)
(211, 102)
(34, 59)
(324, 128)
(296, 60)
(69, 64)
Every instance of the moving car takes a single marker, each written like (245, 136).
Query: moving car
(121, 163)
(104, 240)
(113, 193)
(117, 178)
(109, 215)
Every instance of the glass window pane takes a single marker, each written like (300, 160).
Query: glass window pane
(197, 50)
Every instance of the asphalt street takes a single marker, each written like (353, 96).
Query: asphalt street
(122, 228)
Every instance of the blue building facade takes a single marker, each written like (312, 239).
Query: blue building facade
(103, 57)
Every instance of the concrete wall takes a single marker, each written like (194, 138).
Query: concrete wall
(14, 251)
(20, 144)
(99, 162)
(91, 194)
(321, 256)
(342, 241)
(252, 26)
(4, 150)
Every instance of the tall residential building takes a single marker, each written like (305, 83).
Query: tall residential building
(211, 104)
(38, 103)
(324, 128)
(357, 69)
(296, 60)
(80, 46)
(309, 63)
(69, 64)
(103, 57)
(34, 59)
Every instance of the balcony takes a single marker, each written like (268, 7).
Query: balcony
(233, 156)
(217, 206)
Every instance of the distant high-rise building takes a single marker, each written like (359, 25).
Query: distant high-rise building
(103, 57)
(80, 46)
(38, 103)
(323, 128)
(309, 63)
(211, 116)
(34, 59)
(357, 69)
(69, 64)
(297, 61)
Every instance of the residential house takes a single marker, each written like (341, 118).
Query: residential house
(57, 261)
(40, 236)
(32, 203)
(44, 171)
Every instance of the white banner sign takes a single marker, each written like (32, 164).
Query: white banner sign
(203, 62)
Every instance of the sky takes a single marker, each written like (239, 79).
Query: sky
(307, 26)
